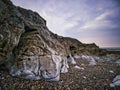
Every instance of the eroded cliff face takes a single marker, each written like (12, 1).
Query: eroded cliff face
(29, 49)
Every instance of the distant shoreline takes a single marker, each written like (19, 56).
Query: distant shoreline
(111, 48)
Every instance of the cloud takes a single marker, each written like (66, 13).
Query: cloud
(100, 22)
(58, 25)
(103, 15)
(58, 19)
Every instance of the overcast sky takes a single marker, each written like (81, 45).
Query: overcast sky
(90, 21)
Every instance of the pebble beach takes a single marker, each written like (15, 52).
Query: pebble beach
(86, 77)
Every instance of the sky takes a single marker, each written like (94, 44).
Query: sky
(89, 21)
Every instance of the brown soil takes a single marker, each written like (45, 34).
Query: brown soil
(91, 78)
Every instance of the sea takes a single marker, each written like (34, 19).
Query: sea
(112, 48)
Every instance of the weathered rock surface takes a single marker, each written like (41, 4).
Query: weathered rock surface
(73, 46)
(26, 45)
(30, 50)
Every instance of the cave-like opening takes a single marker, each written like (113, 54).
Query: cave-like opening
(27, 29)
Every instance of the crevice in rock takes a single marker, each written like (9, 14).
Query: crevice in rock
(3, 67)
(27, 29)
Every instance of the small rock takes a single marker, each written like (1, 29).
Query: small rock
(111, 71)
(77, 67)
(1, 37)
(77, 56)
(71, 60)
(116, 81)
(94, 77)
(82, 64)
(92, 62)
(32, 88)
(118, 62)
(84, 77)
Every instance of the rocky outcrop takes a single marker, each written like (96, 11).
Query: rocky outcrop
(27, 46)
(73, 46)
(30, 50)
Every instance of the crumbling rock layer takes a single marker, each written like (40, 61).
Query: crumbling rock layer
(29, 49)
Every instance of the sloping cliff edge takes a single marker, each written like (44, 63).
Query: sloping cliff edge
(29, 50)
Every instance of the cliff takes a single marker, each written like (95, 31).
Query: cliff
(29, 50)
